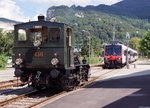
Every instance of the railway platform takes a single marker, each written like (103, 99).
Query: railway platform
(7, 74)
(115, 88)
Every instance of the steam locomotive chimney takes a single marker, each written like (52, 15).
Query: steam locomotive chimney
(41, 18)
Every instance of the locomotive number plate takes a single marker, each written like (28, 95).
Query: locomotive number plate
(38, 54)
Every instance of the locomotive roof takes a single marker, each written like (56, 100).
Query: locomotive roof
(30, 23)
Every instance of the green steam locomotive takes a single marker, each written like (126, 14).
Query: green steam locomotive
(43, 55)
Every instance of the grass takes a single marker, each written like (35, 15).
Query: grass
(92, 60)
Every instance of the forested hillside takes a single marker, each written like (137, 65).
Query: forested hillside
(138, 8)
(97, 23)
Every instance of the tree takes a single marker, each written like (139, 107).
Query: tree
(6, 46)
(145, 43)
(6, 42)
(85, 46)
(95, 46)
(134, 43)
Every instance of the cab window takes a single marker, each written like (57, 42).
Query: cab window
(55, 34)
(22, 35)
(37, 36)
(39, 33)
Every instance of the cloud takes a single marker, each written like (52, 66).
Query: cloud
(71, 2)
(60, 2)
(107, 2)
(9, 9)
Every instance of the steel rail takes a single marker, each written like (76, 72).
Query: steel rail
(16, 98)
(63, 92)
(10, 83)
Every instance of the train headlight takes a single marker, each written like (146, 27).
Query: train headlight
(36, 43)
(106, 59)
(119, 60)
(18, 61)
(54, 61)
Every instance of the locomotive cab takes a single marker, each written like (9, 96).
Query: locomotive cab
(44, 53)
(38, 45)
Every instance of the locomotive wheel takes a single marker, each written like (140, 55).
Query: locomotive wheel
(24, 78)
(86, 76)
(104, 67)
(37, 87)
(68, 83)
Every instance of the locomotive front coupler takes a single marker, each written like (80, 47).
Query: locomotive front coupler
(37, 77)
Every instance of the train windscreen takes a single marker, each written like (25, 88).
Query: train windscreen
(39, 33)
(113, 50)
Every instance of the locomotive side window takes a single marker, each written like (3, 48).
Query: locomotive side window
(69, 35)
(22, 35)
(55, 34)
(39, 33)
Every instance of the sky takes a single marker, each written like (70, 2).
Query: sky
(24, 10)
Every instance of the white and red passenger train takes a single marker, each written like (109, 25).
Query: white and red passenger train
(115, 55)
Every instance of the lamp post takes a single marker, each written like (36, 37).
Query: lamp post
(89, 43)
(114, 29)
(137, 33)
(127, 39)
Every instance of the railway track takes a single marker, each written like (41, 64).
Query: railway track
(35, 98)
(10, 83)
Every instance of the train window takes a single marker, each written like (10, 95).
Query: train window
(129, 52)
(125, 52)
(37, 36)
(22, 35)
(39, 33)
(69, 35)
(113, 50)
(55, 34)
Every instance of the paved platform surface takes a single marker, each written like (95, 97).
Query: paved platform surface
(7, 74)
(121, 88)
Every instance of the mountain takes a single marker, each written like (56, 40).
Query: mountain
(129, 8)
(135, 8)
(98, 20)
(7, 24)
(8, 20)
